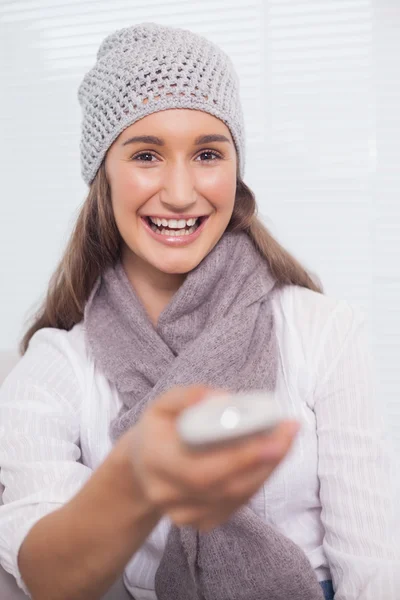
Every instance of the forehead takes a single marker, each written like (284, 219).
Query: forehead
(177, 123)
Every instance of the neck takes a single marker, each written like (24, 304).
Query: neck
(154, 288)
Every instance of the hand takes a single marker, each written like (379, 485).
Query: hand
(199, 488)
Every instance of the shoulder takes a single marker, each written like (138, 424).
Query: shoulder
(55, 362)
(311, 314)
(313, 331)
(66, 342)
(62, 347)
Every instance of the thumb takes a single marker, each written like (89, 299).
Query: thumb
(178, 398)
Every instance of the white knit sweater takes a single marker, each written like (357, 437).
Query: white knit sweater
(332, 494)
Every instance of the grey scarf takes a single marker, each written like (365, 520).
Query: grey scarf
(218, 330)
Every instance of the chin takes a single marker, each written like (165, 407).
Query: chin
(178, 267)
(175, 261)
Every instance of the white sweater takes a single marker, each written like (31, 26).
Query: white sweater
(332, 494)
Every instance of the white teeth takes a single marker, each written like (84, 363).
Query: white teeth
(170, 233)
(174, 223)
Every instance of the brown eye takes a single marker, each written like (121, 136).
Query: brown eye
(208, 153)
(143, 154)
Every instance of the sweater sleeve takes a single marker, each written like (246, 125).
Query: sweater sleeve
(40, 404)
(355, 464)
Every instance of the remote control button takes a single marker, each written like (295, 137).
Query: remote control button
(230, 417)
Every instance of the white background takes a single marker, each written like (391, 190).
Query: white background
(321, 95)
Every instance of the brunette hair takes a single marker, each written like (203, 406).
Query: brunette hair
(95, 244)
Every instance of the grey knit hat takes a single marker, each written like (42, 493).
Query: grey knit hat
(171, 68)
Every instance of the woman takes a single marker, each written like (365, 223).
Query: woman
(170, 286)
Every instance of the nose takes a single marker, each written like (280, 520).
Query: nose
(179, 194)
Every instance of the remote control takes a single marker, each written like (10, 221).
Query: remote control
(224, 418)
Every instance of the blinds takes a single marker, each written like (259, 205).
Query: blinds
(65, 36)
(321, 110)
(386, 224)
(333, 157)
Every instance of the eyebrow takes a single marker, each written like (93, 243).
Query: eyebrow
(152, 139)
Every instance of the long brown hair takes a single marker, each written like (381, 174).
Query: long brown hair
(95, 244)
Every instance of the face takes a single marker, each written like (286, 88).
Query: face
(173, 195)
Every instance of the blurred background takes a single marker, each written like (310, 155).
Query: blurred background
(321, 96)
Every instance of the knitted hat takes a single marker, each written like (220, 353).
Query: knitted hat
(171, 68)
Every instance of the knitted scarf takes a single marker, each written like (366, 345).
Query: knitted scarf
(218, 329)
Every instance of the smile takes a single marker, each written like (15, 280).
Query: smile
(174, 227)
(174, 232)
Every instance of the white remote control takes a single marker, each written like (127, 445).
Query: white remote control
(224, 418)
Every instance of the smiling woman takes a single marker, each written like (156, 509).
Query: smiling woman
(170, 285)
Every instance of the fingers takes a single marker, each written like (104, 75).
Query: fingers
(202, 475)
(211, 512)
(280, 440)
(241, 488)
(217, 466)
